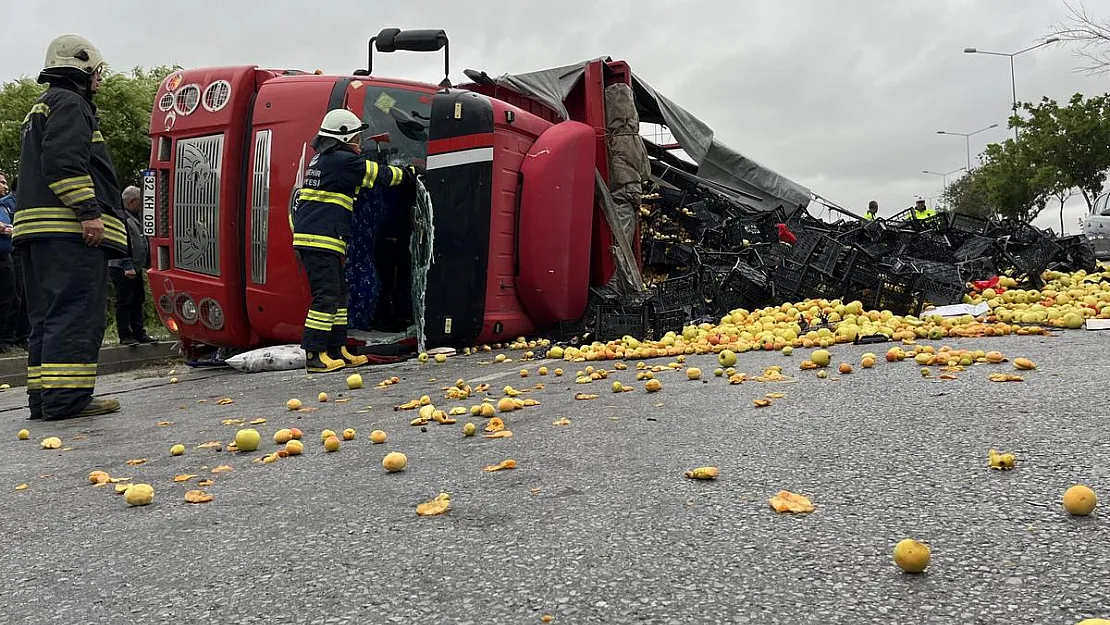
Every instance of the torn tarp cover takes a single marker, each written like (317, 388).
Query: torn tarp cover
(716, 162)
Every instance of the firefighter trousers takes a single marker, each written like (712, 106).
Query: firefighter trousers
(325, 326)
(67, 303)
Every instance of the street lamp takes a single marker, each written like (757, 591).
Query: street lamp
(1013, 81)
(967, 136)
(944, 177)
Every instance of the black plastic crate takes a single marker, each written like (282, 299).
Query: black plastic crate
(818, 285)
(982, 268)
(655, 253)
(753, 230)
(614, 321)
(1034, 259)
(966, 223)
(678, 291)
(935, 223)
(929, 246)
(974, 247)
(786, 282)
(565, 331)
(898, 293)
(681, 254)
(662, 320)
(941, 290)
(711, 258)
(745, 287)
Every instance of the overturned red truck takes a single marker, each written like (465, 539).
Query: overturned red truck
(534, 180)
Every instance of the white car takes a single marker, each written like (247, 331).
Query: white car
(1097, 226)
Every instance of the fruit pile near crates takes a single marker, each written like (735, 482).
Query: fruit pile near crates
(705, 254)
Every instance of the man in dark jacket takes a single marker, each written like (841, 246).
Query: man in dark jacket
(127, 275)
(68, 224)
(9, 291)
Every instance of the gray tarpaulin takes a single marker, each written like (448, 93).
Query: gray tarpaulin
(716, 161)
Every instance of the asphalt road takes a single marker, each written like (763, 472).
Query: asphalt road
(597, 523)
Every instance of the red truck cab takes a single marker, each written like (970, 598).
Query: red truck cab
(512, 192)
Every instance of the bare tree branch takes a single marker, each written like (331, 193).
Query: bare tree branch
(1092, 35)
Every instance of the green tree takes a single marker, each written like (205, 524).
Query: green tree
(1011, 180)
(124, 104)
(968, 195)
(1068, 145)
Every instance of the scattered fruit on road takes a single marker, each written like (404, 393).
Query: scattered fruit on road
(395, 461)
(293, 404)
(283, 436)
(331, 443)
(911, 556)
(1080, 500)
(51, 442)
(377, 437)
(786, 501)
(177, 450)
(139, 495)
(354, 381)
(703, 473)
(247, 440)
(439, 505)
(1000, 461)
(23, 434)
(349, 434)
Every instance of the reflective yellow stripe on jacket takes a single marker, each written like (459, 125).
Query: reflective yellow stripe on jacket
(327, 197)
(74, 190)
(32, 221)
(39, 108)
(319, 242)
(97, 137)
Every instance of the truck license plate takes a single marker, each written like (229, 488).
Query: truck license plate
(149, 199)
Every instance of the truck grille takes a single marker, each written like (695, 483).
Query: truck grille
(260, 206)
(196, 204)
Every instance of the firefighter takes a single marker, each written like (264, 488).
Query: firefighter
(321, 225)
(68, 225)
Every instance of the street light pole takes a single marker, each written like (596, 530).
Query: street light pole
(967, 136)
(1013, 80)
(943, 177)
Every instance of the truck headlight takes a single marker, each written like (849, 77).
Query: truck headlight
(187, 309)
(211, 315)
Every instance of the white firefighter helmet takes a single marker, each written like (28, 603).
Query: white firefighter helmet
(74, 51)
(341, 124)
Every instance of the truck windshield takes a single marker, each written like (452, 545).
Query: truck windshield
(405, 115)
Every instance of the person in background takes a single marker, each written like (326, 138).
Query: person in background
(872, 211)
(68, 225)
(9, 291)
(127, 275)
(921, 211)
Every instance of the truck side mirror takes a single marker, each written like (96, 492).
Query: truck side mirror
(395, 39)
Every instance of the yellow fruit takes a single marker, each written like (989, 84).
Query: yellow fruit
(555, 353)
(283, 436)
(441, 358)
(294, 447)
(653, 386)
(718, 372)
(293, 404)
(139, 495)
(787, 350)
(703, 473)
(487, 410)
(727, 358)
(395, 461)
(867, 363)
(51, 442)
(822, 374)
(469, 429)
(558, 372)
(505, 404)
(1024, 364)
(322, 397)
(296, 432)
(247, 440)
(844, 368)
(1080, 500)
(423, 357)
(475, 410)
(178, 449)
(994, 357)
(693, 373)
(377, 437)
(354, 381)
(543, 371)
(911, 556)
(425, 400)
(331, 443)
(99, 477)
(349, 434)
(523, 373)
(618, 387)
(499, 358)
(23, 435)
(821, 357)
(325, 434)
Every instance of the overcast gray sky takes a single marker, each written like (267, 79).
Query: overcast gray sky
(842, 96)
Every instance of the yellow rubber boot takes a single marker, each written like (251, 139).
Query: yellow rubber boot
(320, 362)
(352, 360)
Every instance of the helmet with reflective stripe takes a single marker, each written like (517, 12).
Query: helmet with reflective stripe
(74, 51)
(341, 124)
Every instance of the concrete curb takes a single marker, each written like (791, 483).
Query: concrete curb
(115, 359)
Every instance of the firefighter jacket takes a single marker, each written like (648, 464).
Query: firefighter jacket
(923, 213)
(322, 216)
(65, 173)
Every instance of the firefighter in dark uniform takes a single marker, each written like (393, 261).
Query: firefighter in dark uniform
(68, 224)
(321, 225)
